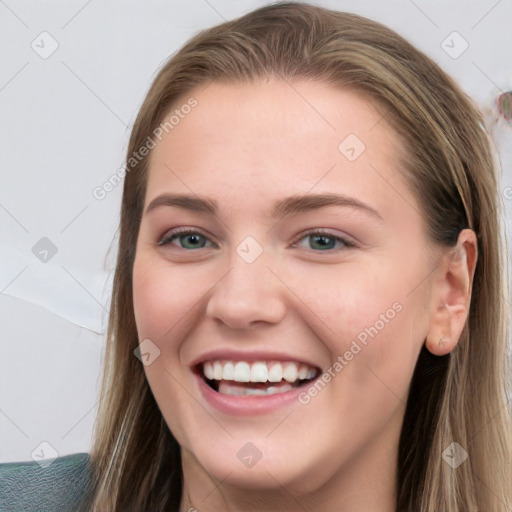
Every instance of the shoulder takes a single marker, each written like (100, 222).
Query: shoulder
(57, 485)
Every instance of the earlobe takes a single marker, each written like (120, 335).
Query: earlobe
(451, 294)
(446, 328)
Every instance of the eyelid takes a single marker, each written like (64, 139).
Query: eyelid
(173, 234)
(345, 239)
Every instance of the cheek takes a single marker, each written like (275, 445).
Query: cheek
(376, 325)
(162, 297)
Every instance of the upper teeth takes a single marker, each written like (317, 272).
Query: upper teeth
(259, 371)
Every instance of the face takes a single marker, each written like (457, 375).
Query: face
(284, 326)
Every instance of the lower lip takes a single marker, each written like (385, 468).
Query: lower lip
(252, 404)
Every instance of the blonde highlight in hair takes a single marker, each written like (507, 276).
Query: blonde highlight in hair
(448, 163)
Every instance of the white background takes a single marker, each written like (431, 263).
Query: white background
(64, 127)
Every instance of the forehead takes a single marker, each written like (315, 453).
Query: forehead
(268, 138)
(304, 109)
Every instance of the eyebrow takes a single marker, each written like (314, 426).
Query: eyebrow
(281, 208)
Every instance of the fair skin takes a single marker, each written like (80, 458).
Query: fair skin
(246, 147)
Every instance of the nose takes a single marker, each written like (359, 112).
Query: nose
(248, 293)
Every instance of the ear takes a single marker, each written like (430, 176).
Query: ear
(451, 294)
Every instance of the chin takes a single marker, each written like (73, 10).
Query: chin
(279, 466)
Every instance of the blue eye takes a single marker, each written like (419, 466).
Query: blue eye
(193, 239)
(325, 240)
(190, 234)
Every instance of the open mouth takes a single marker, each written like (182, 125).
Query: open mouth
(242, 378)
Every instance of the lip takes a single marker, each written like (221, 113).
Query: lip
(234, 405)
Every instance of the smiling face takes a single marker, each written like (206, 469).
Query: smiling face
(256, 294)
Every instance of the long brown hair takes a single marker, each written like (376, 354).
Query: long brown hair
(449, 165)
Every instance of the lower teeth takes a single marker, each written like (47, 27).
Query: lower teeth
(230, 389)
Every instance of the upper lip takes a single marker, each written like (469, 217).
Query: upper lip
(249, 356)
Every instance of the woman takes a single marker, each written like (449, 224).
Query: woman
(308, 309)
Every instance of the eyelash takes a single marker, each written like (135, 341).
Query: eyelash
(169, 237)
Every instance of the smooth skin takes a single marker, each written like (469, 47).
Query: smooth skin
(246, 146)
